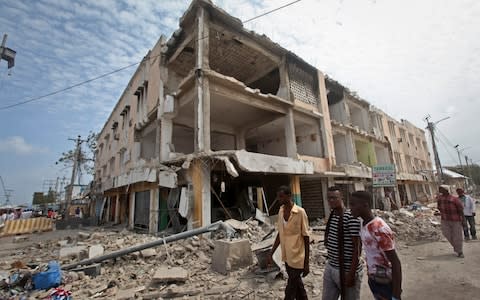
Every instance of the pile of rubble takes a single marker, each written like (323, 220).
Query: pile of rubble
(179, 269)
(421, 224)
(185, 268)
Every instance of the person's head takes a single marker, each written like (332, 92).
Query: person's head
(460, 192)
(334, 197)
(444, 189)
(360, 203)
(284, 195)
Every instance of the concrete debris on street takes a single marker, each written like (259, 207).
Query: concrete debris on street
(210, 266)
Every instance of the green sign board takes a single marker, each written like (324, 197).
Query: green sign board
(384, 176)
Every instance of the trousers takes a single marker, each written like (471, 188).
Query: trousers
(295, 288)
(331, 284)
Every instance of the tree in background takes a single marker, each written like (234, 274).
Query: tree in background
(86, 156)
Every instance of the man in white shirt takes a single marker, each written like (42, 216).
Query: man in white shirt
(469, 212)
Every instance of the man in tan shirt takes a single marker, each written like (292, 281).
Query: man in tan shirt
(294, 240)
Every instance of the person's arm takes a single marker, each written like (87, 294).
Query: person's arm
(306, 262)
(396, 273)
(470, 204)
(353, 228)
(275, 244)
(306, 242)
(350, 279)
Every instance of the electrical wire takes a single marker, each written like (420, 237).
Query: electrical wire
(67, 88)
(447, 149)
(123, 68)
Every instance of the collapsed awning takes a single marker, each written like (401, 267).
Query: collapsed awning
(252, 162)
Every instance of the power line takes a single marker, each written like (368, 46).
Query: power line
(123, 68)
(447, 149)
(67, 88)
(271, 11)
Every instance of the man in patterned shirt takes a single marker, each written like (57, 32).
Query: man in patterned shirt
(451, 211)
(383, 264)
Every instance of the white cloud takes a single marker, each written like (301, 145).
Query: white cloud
(18, 145)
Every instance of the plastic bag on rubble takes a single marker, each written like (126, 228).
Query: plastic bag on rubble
(48, 279)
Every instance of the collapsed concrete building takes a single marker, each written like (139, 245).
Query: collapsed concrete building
(217, 117)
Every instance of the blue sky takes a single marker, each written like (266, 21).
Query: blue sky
(407, 58)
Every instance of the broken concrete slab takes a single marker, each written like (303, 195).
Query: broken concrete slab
(231, 255)
(83, 235)
(237, 224)
(76, 251)
(148, 253)
(165, 274)
(95, 250)
(92, 270)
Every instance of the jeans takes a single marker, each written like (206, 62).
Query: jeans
(295, 288)
(470, 220)
(331, 284)
(380, 291)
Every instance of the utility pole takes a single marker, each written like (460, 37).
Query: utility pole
(431, 128)
(7, 53)
(469, 170)
(459, 158)
(76, 159)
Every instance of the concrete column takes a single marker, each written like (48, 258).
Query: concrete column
(117, 209)
(240, 142)
(325, 123)
(200, 173)
(131, 210)
(290, 139)
(295, 186)
(202, 100)
(166, 138)
(351, 149)
(154, 209)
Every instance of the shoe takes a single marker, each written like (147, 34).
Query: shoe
(474, 237)
(467, 238)
(461, 255)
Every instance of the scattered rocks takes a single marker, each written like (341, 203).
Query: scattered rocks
(146, 253)
(77, 251)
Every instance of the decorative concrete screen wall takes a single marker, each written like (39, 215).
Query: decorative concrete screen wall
(303, 84)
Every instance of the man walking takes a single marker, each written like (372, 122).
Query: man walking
(383, 264)
(469, 213)
(293, 237)
(451, 211)
(343, 272)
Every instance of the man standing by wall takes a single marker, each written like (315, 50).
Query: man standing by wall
(451, 211)
(293, 237)
(384, 267)
(469, 213)
(343, 272)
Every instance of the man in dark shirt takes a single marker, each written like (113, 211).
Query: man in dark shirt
(343, 272)
(451, 211)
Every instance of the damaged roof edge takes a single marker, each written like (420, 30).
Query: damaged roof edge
(237, 24)
(252, 162)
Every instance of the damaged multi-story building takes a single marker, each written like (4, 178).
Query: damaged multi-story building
(216, 117)
(365, 136)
